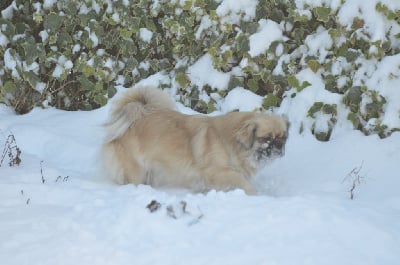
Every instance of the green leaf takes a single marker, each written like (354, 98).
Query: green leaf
(296, 16)
(211, 106)
(155, 65)
(314, 65)
(355, 120)
(381, 8)
(212, 51)
(235, 82)
(31, 78)
(175, 28)
(353, 98)
(127, 47)
(351, 55)
(126, 33)
(86, 84)
(334, 33)
(270, 101)
(8, 87)
(38, 18)
(64, 39)
(304, 85)
(314, 109)
(88, 70)
(242, 43)
(131, 64)
(357, 23)
(252, 84)
(331, 83)
(100, 99)
(322, 13)
(251, 27)
(31, 50)
(182, 79)
(52, 22)
(329, 109)
(71, 8)
(293, 81)
(372, 110)
(9, 29)
(187, 5)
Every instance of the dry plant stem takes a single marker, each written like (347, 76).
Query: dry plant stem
(355, 178)
(12, 151)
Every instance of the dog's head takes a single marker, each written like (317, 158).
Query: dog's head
(264, 136)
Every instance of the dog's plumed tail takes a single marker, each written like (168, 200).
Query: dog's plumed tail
(132, 106)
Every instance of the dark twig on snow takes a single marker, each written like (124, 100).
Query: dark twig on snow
(153, 206)
(41, 172)
(355, 178)
(12, 151)
(171, 212)
(176, 212)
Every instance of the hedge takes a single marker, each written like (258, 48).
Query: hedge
(72, 54)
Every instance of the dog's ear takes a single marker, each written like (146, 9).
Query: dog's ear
(246, 134)
(286, 119)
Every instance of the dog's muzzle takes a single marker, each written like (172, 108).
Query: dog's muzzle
(271, 149)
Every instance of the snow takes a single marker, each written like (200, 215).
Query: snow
(44, 35)
(374, 21)
(204, 24)
(62, 64)
(319, 44)
(231, 11)
(296, 108)
(234, 100)
(56, 209)
(303, 214)
(93, 37)
(47, 4)
(384, 79)
(334, 4)
(203, 73)
(68, 64)
(76, 48)
(7, 13)
(3, 39)
(116, 18)
(40, 87)
(268, 32)
(11, 63)
(146, 35)
(32, 67)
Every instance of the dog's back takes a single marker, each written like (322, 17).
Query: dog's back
(126, 110)
(132, 106)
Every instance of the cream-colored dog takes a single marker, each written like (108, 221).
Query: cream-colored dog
(149, 142)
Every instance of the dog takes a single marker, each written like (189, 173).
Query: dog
(149, 142)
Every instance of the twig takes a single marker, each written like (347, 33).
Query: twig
(355, 178)
(41, 172)
(171, 212)
(10, 147)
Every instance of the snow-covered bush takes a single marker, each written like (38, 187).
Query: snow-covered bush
(339, 60)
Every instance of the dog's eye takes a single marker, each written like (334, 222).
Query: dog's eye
(280, 142)
(266, 139)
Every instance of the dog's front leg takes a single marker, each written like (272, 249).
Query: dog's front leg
(227, 179)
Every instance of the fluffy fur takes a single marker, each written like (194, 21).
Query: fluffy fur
(149, 142)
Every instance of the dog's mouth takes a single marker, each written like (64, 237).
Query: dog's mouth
(269, 153)
(270, 148)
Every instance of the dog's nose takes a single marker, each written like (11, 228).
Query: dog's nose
(279, 148)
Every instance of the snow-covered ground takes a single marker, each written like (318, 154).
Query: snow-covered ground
(303, 214)
(333, 203)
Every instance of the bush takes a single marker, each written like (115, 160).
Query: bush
(72, 54)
